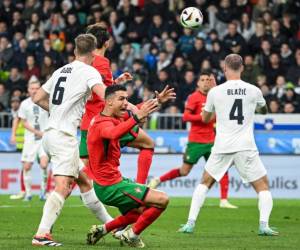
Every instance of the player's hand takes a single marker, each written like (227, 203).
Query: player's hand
(125, 77)
(13, 139)
(165, 95)
(39, 134)
(147, 108)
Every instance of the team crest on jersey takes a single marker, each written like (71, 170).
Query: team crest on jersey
(138, 190)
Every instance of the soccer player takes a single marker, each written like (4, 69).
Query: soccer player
(234, 104)
(201, 139)
(137, 203)
(64, 95)
(35, 121)
(137, 137)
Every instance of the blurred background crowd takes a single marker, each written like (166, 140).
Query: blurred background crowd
(147, 40)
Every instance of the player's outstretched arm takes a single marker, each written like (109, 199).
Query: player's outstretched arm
(165, 95)
(41, 98)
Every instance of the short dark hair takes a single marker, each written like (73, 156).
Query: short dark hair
(100, 32)
(110, 90)
(206, 72)
(234, 62)
(85, 44)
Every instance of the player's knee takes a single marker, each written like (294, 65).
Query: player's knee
(163, 200)
(184, 171)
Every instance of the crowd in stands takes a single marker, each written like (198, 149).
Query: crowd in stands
(37, 37)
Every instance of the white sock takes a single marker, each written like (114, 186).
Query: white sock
(197, 202)
(51, 211)
(44, 175)
(265, 205)
(132, 235)
(27, 181)
(91, 201)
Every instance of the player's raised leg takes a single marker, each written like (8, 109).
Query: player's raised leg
(146, 146)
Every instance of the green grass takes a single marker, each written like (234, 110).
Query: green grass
(216, 228)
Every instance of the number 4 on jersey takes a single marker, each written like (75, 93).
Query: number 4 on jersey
(237, 107)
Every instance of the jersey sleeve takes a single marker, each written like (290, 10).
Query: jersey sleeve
(260, 101)
(93, 78)
(22, 111)
(209, 105)
(190, 103)
(48, 85)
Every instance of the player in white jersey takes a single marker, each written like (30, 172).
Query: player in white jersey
(64, 95)
(35, 120)
(234, 103)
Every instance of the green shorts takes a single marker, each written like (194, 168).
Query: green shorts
(194, 151)
(125, 195)
(83, 152)
(130, 136)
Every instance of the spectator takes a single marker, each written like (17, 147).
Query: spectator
(260, 8)
(293, 73)
(186, 42)
(177, 71)
(289, 25)
(55, 23)
(17, 23)
(170, 47)
(47, 68)
(266, 92)
(3, 29)
(267, 18)
(7, 9)
(6, 52)
(118, 26)
(217, 54)
(286, 55)
(251, 70)
(234, 37)
(289, 108)
(73, 27)
(256, 39)
(30, 7)
(163, 61)
(264, 54)
(137, 29)
(96, 16)
(4, 96)
(276, 38)
(279, 89)
(31, 68)
(113, 51)
(159, 82)
(46, 9)
(290, 96)
(35, 24)
(198, 54)
(126, 12)
(116, 71)
(156, 28)
(246, 27)
(133, 96)
(275, 69)
(171, 121)
(21, 54)
(35, 44)
(15, 80)
(127, 56)
(274, 107)
(138, 71)
(185, 88)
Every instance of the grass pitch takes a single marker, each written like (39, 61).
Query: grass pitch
(216, 228)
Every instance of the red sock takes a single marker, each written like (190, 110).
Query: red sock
(122, 221)
(22, 181)
(144, 163)
(146, 219)
(224, 186)
(172, 174)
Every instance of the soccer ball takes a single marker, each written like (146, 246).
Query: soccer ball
(191, 18)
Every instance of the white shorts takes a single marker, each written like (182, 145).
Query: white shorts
(32, 150)
(247, 163)
(63, 151)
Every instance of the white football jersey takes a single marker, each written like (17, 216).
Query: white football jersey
(234, 103)
(68, 89)
(35, 116)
